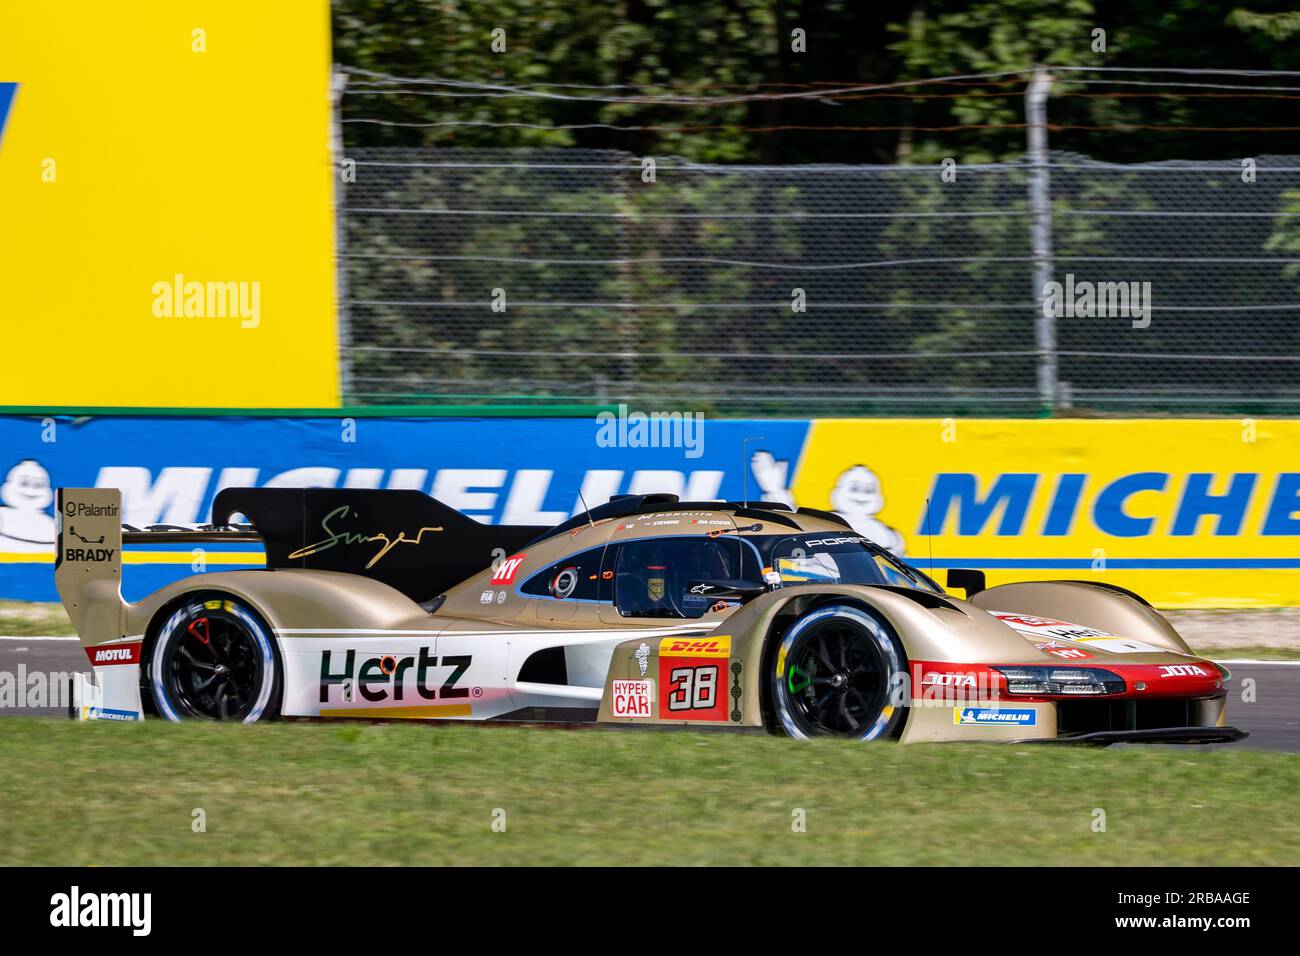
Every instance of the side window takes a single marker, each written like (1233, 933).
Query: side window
(653, 578)
(575, 578)
(892, 574)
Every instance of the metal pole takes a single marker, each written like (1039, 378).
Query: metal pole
(340, 82)
(1040, 206)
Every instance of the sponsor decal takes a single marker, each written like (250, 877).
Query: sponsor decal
(1040, 627)
(939, 678)
(106, 654)
(82, 509)
(89, 555)
(1183, 670)
(336, 535)
(719, 646)
(501, 597)
(946, 684)
(1036, 625)
(632, 698)
(105, 713)
(994, 716)
(1064, 651)
(485, 598)
(655, 588)
(693, 677)
(506, 571)
(385, 676)
(1121, 645)
(642, 656)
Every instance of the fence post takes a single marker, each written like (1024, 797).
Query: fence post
(340, 82)
(1040, 207)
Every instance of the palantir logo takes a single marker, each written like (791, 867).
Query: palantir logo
(76, 909)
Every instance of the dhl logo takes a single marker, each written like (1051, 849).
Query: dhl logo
(695, 646)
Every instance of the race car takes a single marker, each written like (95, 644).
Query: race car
(644, 610)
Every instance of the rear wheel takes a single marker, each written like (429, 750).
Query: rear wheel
(213, 659)
(834, 674)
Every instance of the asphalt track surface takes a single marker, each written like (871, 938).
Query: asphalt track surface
(1273, 718)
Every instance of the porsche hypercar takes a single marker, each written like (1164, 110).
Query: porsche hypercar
(644, 610)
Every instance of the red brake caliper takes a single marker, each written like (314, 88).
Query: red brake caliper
(200, 632)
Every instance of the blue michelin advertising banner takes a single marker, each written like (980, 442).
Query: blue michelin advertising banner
(1188, 512)
(497, 470)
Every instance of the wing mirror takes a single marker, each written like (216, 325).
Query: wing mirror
(968, 578)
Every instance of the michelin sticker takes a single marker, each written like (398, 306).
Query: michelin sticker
(994, 715)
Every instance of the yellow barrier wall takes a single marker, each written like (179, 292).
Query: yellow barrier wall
(149, 142)
(1187, 513)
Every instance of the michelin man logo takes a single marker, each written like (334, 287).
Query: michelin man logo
(642, 656)
(856, 497)
(24, 496)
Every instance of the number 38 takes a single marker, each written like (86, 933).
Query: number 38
(693, 688)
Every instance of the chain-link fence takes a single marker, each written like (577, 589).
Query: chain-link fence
(477, 276)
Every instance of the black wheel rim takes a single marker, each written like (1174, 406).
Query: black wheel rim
(836, 679)
(213, 668)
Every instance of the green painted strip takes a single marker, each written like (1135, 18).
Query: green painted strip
(349, 411)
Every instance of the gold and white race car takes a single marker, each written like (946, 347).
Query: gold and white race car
(643, 610)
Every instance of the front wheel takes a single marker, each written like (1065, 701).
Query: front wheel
(834, 674)
(213, 660)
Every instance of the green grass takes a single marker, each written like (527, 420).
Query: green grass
(30, 618)
(365, 794)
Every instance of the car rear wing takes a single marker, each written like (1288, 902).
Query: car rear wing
(88, 577)
(403, 538)
(189, 534)
(88, 561)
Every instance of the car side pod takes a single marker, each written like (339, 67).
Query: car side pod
(1159, 735)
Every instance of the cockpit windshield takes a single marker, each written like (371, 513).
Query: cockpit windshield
(687, 577)
(819, 558)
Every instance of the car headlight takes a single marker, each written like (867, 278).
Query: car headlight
(1061, 681)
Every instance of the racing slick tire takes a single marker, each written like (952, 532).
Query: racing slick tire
(214, 659)
(835, 674)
